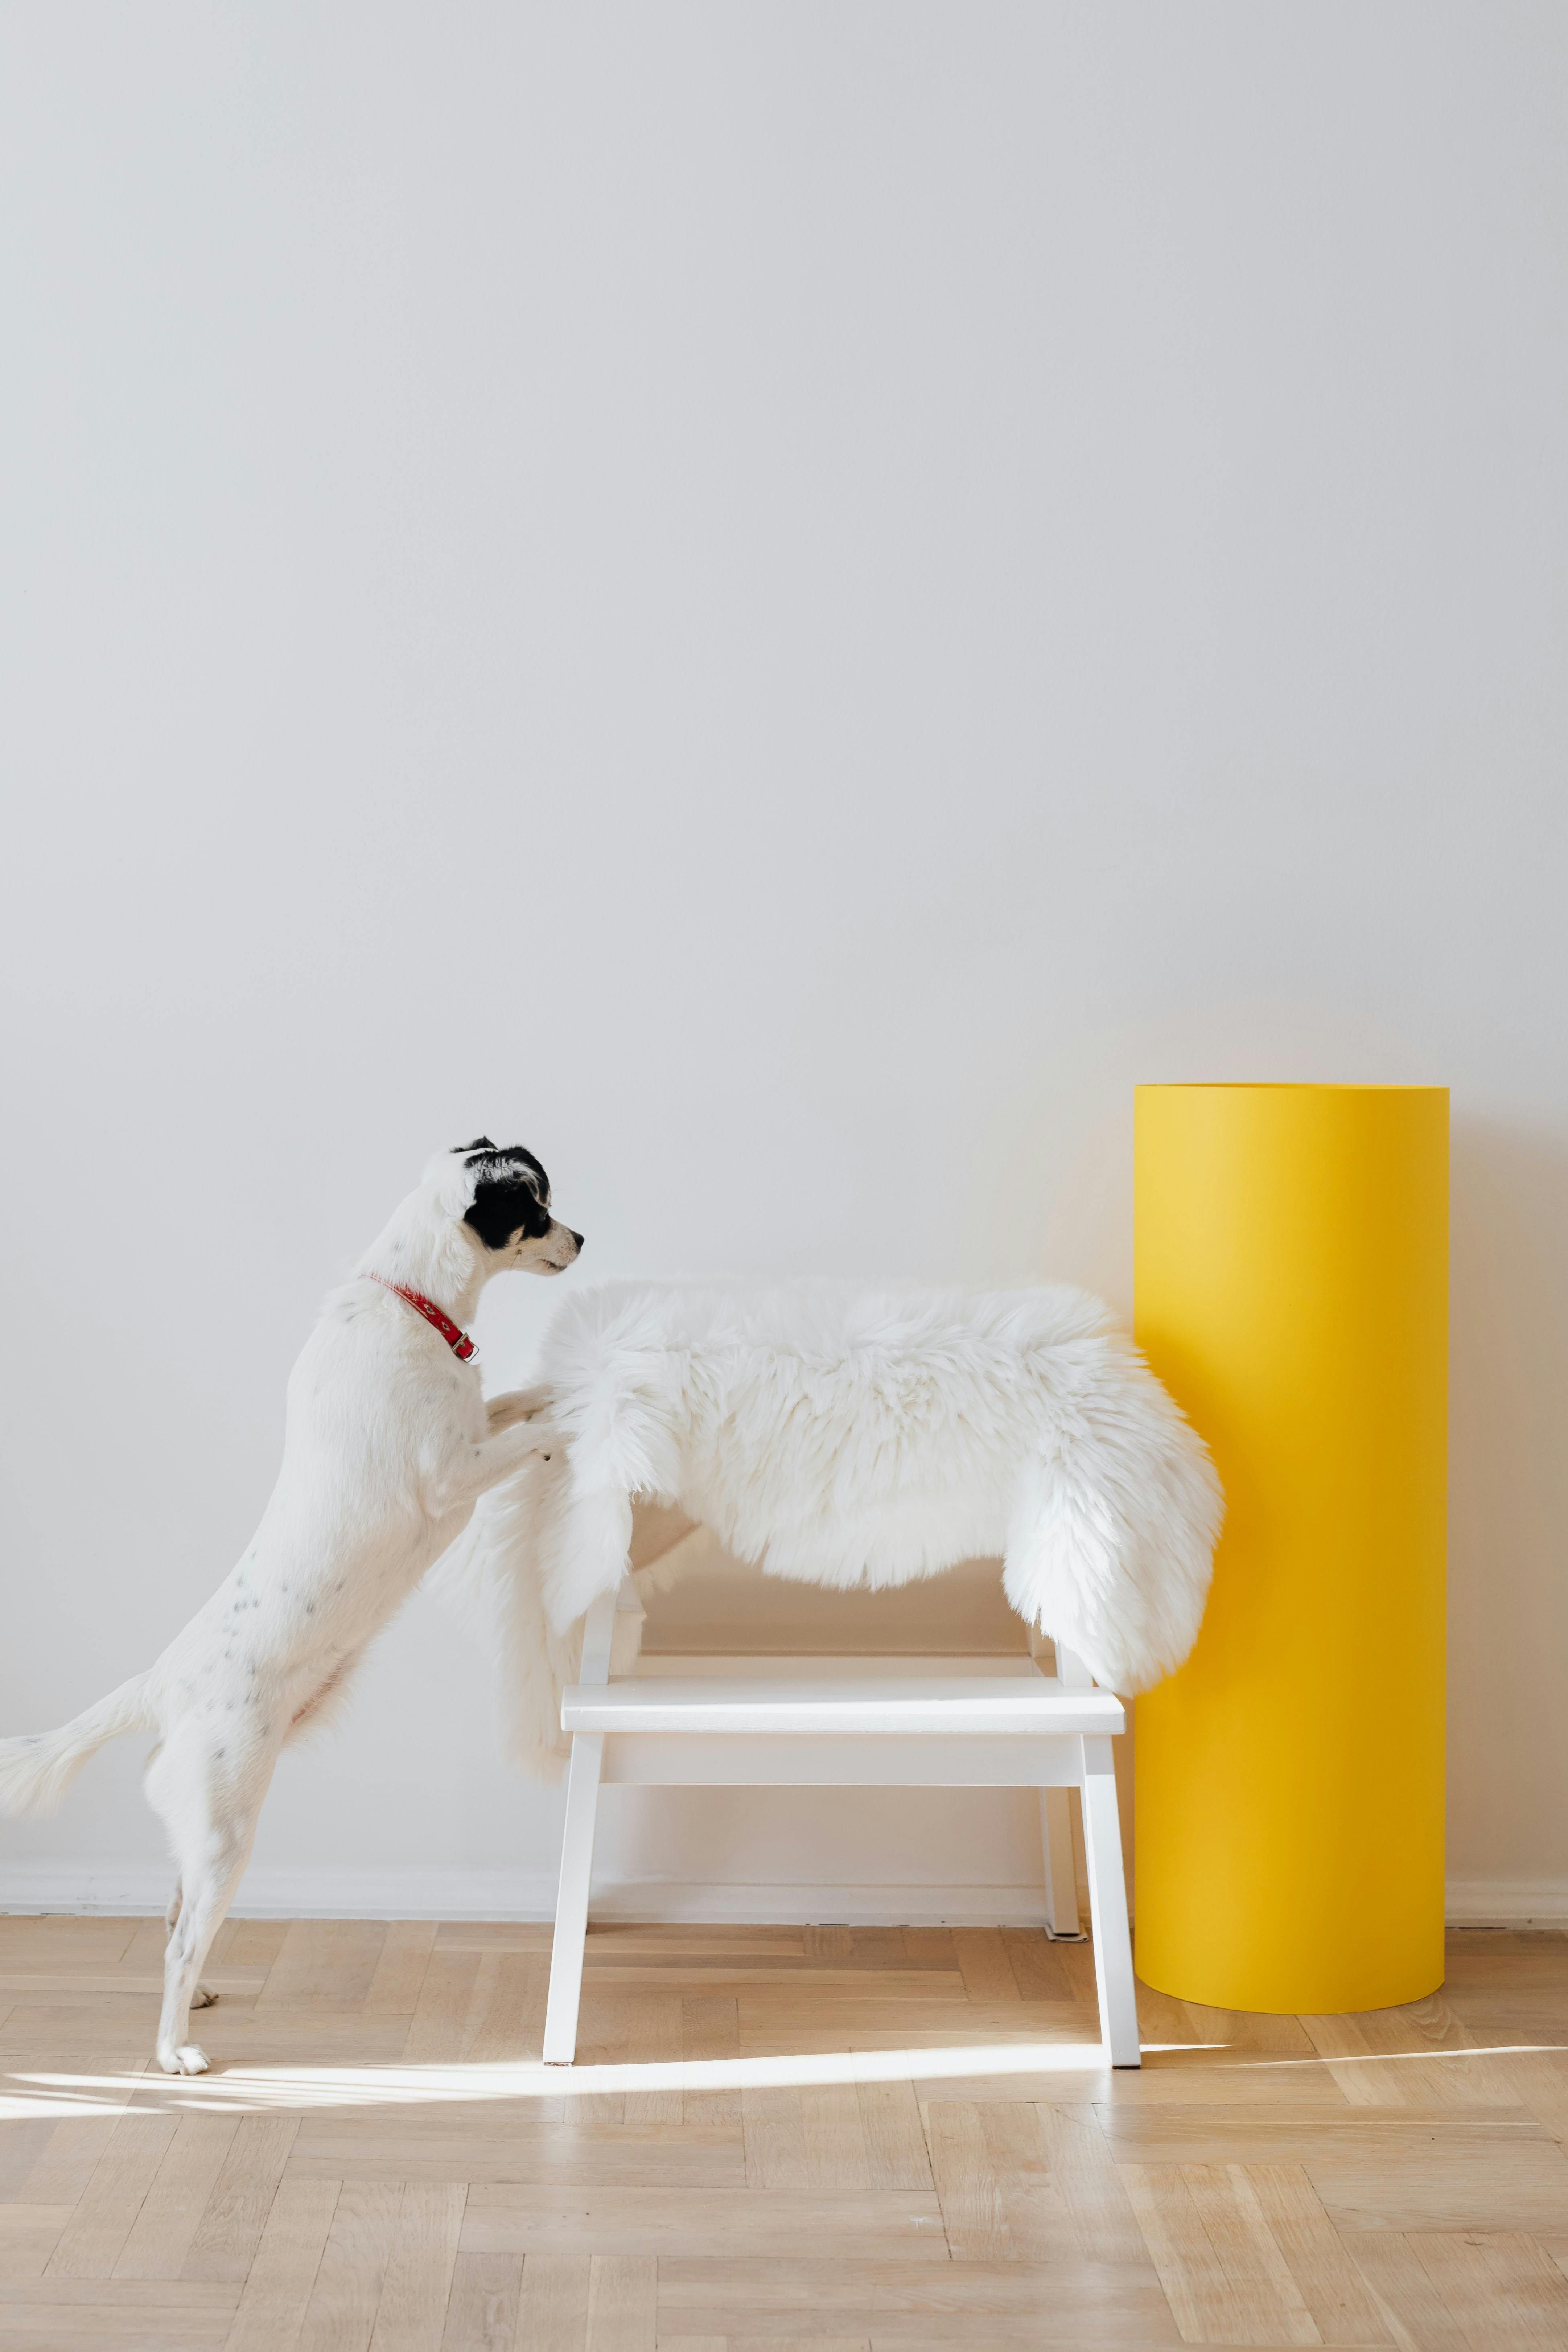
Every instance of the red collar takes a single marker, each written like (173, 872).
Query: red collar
(456, 1338)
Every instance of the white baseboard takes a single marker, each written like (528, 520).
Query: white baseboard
(1495, 1903)
(142, 1890)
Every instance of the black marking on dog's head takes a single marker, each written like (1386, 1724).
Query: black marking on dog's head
(511, 1195)
(479, 1143)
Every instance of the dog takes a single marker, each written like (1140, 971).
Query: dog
(389, 1443)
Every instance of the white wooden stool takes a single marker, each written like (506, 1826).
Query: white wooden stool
(849, 1723)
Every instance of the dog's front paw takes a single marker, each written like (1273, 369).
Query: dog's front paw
(203, 1997)
(517, 1405)
(190, 2060)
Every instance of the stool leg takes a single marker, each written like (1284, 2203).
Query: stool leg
(1108, 1904)
(1061, 1877)
(571, 1902)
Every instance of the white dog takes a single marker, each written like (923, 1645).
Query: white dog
(389, 1443)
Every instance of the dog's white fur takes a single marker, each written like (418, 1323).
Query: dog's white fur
(845, 1436)
(389, 1443)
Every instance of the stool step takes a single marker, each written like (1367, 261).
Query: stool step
(955, 1705)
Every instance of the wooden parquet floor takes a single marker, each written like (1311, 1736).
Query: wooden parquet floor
(862, 2140)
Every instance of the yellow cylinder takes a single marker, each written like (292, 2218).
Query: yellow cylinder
(1291, 1274)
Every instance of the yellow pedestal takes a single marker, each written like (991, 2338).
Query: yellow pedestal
(1291, 1291)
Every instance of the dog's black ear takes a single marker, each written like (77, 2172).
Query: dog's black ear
(479, 1143)
(502, 1206)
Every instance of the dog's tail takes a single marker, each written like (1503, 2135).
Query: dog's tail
(37, 1770)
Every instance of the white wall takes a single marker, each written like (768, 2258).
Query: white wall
(779, 601)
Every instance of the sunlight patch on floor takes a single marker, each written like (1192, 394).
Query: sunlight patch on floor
(32, 2096)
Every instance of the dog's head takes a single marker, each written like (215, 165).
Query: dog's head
(502, 1195)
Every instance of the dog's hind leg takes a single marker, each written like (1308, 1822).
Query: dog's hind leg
(203, 1995)
(209, 1796)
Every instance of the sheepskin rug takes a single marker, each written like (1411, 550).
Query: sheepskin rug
(845, 1437)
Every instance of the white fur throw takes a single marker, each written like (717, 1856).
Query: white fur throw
(844, 1436)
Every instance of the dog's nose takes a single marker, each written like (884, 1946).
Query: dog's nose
(578, 1239)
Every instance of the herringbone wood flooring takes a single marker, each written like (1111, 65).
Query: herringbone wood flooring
(861, 2140)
